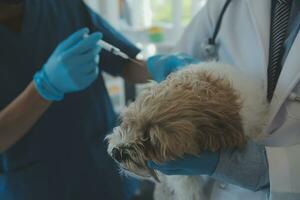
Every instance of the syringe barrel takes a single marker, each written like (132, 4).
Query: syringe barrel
(107, 46)
(110, 48)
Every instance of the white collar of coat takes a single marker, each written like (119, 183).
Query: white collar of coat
(290, 75)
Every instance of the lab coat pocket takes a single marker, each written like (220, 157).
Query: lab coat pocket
(27, 182)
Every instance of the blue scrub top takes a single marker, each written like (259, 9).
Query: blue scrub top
(63, 156)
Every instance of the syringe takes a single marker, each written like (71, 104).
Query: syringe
(116, 51)
(112, 49)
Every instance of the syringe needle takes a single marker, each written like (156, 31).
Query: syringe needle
(116, 51)
(136, 62)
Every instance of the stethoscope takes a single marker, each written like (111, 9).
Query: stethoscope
(210, 47)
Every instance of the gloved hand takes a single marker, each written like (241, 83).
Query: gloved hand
(160, 66)
(204, 164)
(231, 166)
(72, 67)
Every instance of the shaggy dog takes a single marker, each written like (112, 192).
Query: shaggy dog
(208, 106)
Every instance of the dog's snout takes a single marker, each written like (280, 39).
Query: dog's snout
(116, 154)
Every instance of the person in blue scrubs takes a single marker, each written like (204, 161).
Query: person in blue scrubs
(54, 108)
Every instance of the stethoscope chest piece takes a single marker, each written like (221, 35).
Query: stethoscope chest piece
(210, 47)
(210, 51)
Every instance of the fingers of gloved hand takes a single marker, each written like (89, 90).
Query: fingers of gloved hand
(179, 60)
(84, 70)
(168, 171)
(85, 45)
(73, 39)
(160, 66)
(83, 64)
(85, 80)
(97, 59)
(90, 68)
(91, 56)
(171, 172)
(169, 168)
(189, 161)
(94, 72)
(162, 167)
(87, 69)
(185, 162)
(92, 75)
(156, 68)
(151, 63)
(184, 56)
(160, 77)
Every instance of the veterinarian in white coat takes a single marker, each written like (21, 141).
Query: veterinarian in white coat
(243, 40)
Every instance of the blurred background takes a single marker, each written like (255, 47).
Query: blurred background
(154, 26)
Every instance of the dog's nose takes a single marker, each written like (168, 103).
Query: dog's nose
(116, 154)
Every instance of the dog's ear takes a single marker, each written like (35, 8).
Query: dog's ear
(170, 141)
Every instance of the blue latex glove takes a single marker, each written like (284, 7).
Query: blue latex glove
(160, 66)
(204, 164)
(72, 67)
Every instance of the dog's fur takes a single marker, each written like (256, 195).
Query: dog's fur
(207, 106)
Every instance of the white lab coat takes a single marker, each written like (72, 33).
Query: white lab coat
(244, 42)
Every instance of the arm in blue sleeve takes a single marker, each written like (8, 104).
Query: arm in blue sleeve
(247, 168)
(109, 62)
